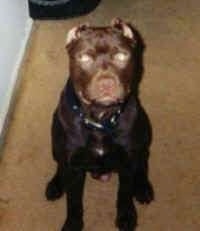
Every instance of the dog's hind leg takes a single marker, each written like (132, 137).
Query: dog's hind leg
(126, 211)
(75, 180)
(55, 187)
(142, 188)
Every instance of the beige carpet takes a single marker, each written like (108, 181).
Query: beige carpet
(170, 93)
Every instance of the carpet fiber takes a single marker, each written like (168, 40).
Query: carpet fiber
(170, 93)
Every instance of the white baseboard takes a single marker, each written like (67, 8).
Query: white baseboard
(14, 84)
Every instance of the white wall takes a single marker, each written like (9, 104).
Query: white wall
(14, 30)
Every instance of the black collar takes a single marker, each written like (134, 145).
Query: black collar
(107, 125)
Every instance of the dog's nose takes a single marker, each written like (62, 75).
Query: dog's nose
(105, 65)
(107, 85)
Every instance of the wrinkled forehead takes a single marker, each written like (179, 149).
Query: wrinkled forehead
(102, 39)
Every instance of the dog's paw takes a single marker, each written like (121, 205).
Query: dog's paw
(144, 193)
(126, 221)
(73, 225)
(54, 190)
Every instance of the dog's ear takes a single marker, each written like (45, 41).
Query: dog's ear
(75, 33)
(125, 28)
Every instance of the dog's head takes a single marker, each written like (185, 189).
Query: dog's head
(102, 62)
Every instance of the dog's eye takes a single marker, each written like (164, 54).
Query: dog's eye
(121, 57)
(85, 58)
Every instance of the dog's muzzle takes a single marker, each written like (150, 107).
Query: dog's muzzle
(105, 88)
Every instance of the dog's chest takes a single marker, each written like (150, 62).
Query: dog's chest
(99, 144)
(97, 141)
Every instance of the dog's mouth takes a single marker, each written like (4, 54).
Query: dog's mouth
(108, 99)
(104, 100)
(101, 177)
(103, 97)
(106, 91)
(102, 90)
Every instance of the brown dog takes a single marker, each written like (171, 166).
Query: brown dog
(99, 125)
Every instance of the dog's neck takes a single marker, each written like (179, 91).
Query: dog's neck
(98, 117)
(99, 112)
(94, 111)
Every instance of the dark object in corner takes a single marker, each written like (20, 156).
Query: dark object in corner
(60, 9)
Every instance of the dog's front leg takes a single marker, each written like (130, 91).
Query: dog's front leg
(126, 212)
(75, 180)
